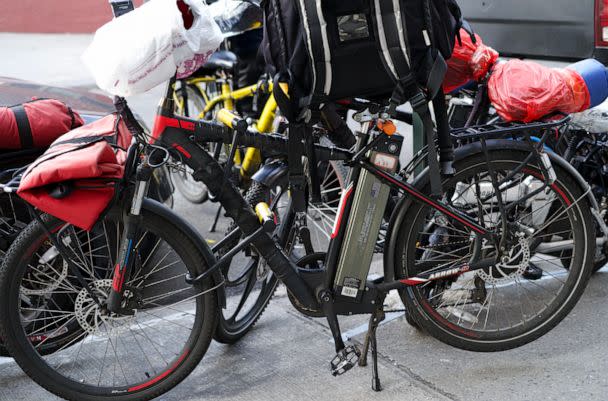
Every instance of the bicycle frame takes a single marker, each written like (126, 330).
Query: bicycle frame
(181, 135)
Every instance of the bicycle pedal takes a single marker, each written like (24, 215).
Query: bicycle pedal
(345, 360)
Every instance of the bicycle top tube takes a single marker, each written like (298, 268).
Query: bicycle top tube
(210, 132)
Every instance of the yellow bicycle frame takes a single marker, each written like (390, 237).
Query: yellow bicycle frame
(252, 159)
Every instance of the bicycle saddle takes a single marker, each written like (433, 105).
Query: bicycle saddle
(222, 59)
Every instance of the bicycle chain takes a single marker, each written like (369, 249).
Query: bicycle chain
(444, 244)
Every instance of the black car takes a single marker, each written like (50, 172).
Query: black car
(556, 29)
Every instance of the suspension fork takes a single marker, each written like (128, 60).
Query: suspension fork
(126, 257)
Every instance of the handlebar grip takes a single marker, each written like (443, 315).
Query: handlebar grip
(262, 210)
(231, 120)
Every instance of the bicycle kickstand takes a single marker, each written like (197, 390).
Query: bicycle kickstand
(372, 343)
(216, 219)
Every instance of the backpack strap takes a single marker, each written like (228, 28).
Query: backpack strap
(389, 21)
(422, 109)
(390, 25)
(23, 126)
(298, 131)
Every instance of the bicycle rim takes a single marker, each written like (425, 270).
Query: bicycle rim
(108, 355)
(504, 302)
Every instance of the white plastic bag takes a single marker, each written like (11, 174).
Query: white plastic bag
(144, 48)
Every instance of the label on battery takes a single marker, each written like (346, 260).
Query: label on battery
(350, 287)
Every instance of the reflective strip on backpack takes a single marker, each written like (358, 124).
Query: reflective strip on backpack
(316, 32)
(400, 27)
(382, 36)
(391, 32)
(327, 52)
(303, 15)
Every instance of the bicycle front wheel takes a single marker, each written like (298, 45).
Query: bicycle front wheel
(128, 356)
(502, 306)
(250, 283)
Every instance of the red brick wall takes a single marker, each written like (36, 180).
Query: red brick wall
(54, 16)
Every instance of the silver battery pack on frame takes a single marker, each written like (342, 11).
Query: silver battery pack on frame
(369, 204)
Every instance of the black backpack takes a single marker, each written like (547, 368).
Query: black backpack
(332, 49)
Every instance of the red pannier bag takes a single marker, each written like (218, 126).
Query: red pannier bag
(526, 91)
(35, 124)
(75, 179)
(470, 61)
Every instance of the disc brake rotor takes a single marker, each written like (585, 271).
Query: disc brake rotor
(510, 267)
(88, 312)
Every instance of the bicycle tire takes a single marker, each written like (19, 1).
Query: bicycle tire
(147, 385)
(14, 218)
(456, 327)
(230, 331)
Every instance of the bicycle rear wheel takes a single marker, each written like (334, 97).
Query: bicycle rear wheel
(14, 217)
(107, 356)
(194, 191)
(499, 307)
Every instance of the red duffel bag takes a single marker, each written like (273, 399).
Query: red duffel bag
(35, 124)
(75, 179)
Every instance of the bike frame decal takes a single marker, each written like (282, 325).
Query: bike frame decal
(438, 275)
(341, 206)
(181, 150)
(119, 277)
(189, 125)
(160, 123)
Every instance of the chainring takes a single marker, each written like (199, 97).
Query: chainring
(312, 263)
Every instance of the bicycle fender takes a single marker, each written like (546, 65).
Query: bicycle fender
(162, 210)
(272, 174)
(460, 153)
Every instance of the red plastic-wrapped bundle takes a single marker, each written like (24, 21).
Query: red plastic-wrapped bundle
(526, 91)
(469, 62)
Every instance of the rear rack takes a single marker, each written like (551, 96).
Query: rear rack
(500, 130)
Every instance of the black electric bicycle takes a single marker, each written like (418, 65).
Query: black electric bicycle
(457, 257)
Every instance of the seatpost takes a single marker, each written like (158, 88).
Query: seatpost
(166, 105)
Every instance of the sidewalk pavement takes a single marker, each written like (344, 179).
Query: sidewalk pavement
(286, 356)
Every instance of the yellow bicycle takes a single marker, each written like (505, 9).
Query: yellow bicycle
(202, 97)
